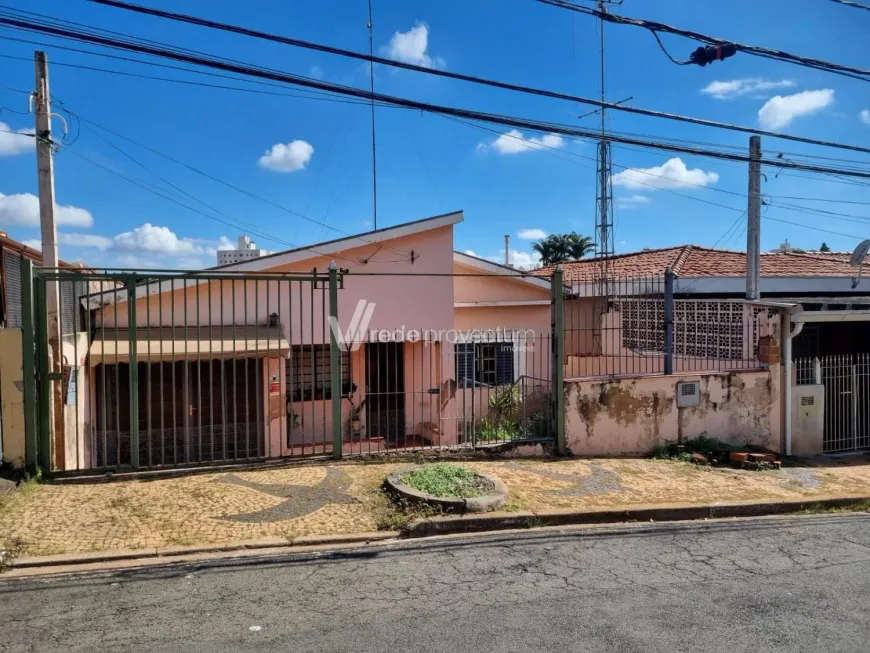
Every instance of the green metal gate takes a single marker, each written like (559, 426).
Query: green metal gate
(155, 369)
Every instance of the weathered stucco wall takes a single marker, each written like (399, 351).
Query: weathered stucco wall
(630, 416)
(12, 396)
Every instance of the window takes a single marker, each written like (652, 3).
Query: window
(486, 363)
(309, 373)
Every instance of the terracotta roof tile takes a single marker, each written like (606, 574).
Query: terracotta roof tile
(695, 261)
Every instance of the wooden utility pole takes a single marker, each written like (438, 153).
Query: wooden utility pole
(48, 229)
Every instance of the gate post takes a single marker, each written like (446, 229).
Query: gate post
(134, 375)
(558, 359)
(28, 358)
(669, 321)
(44, 421)
(334, 361)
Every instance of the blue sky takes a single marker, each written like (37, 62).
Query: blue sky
(313, 156)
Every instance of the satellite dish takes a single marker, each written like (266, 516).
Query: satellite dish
(857, 260)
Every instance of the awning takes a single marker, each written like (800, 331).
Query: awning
(157, 344)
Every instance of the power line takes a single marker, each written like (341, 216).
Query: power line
(819, 199)
(806, 226)
(755, 50)
(423, 106)
(323, 97)
(850, 3)
(202, 22)
(232, 186)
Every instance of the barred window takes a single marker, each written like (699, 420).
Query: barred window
(309, 373)
(489, 363)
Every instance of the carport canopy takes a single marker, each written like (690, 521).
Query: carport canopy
(166, 344)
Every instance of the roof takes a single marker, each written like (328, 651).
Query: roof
(341, 244)
(325, 248)
(498, 269)
(696, 261)
(29, 252)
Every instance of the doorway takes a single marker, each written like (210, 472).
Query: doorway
(385, 391)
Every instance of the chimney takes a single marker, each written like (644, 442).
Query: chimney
(507, 250)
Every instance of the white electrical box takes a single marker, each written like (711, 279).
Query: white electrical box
(688, 394)
(807, 406)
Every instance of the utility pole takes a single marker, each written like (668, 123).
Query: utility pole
(48, 228)
(753, 220)
(507, 249)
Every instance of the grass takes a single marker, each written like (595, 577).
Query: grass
(442, 480)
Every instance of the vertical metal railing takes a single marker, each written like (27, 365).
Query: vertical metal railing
(28, 343)
(558, 362)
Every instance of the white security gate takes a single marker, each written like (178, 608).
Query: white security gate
(847, 402)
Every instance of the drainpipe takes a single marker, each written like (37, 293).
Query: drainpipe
(787, 335)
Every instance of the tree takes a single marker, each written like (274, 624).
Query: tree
(579, 246)
(556, 248)
(824, 248)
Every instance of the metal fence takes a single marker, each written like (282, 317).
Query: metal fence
(640, 327)
(846, 381)
(159, 369)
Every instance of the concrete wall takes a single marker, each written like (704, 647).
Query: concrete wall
(12, 396)
(630, 416)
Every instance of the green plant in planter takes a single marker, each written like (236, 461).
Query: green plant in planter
(504, 405)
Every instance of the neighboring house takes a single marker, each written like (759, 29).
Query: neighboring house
(12, 253)
(826, 344)
(231, 368)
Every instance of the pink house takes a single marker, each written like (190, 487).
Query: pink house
(237, 366)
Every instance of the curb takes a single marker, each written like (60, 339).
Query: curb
(63, 559)
(493, 521)
(636, 513)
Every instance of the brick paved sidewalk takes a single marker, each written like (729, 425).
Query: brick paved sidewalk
(336, 498)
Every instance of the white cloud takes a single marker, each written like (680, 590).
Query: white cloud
(316, 72)
(291, 157)
(33, 243)
(84, 240)
(522, 260)
(471, 252)
(864, 114)
(22, 210)
(224, 244)
(514, 142)
(15, 143)
(780, 110)
(532, 234)
(728, 90)
(672, 174)
(158, 240)
(411, 47)
(631, 201)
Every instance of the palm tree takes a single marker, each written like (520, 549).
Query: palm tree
(556, 248)
(579, 246)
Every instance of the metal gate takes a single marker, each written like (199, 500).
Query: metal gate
(847, 402)
(155, 369)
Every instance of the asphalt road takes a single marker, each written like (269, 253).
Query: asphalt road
(786, 584)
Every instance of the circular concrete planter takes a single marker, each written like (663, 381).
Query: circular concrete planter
(492, 501)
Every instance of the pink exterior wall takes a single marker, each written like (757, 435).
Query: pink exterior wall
(630, 416)
(412, 301)
(493, 289)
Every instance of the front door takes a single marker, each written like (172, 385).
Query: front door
(385, 391)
